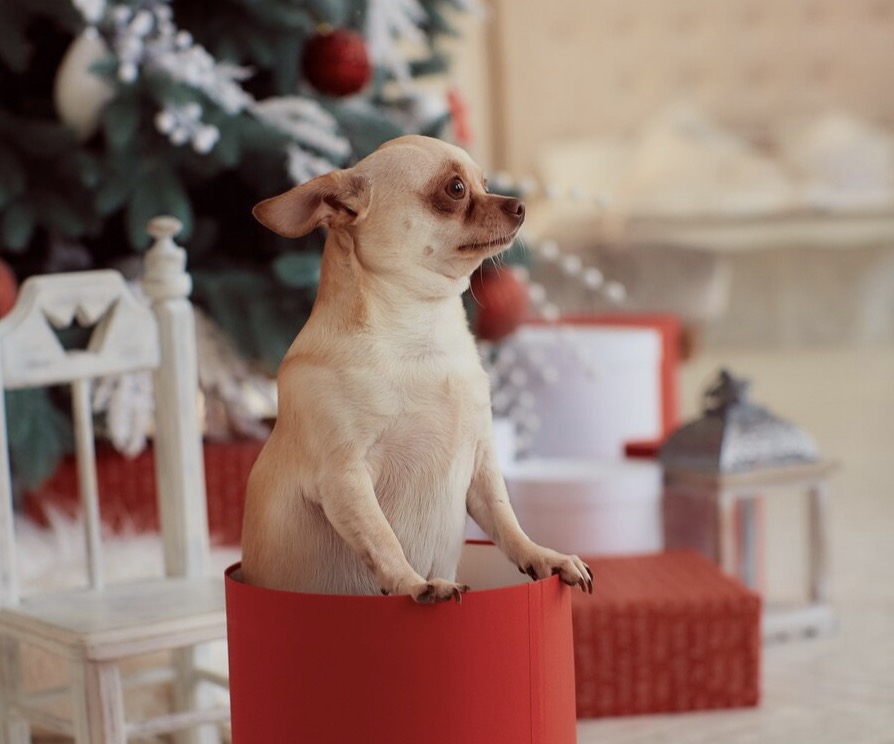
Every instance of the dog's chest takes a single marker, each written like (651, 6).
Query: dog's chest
(427, 448)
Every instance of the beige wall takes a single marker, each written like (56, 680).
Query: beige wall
(539, 72)
(536, 71)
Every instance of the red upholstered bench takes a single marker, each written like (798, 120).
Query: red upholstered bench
(665, 633)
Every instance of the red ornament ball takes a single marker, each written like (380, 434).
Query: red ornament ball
(502, 303)
(336, 63)
(9, 288)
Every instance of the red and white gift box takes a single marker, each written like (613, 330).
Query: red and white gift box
(609, 507)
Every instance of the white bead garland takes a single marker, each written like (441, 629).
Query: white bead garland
(510, 396)
(573, 266)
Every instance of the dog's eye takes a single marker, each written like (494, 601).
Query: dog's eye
(456, 189)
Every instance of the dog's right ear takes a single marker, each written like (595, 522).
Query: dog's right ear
(334, 200)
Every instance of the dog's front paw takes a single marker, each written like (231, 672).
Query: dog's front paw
(438, 590)
(543, 563)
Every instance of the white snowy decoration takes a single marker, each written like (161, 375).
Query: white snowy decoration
(309, 125)
(129, 407)
(302, 165)
(128, 403)
(304, 121)
(418, 109)
(183, 124)
(227, 382)
(195, 66)
(146, 39)
(225, 379)
(388, 21)
(394, 25)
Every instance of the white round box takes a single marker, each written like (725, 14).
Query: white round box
(589, 507)
(594, 388)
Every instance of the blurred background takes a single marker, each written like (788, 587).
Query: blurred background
(731, 163)
(750, 141)
(709, 185)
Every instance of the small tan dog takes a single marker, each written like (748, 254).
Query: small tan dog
(383, 438)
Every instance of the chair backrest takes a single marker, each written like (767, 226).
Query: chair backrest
(126, 336)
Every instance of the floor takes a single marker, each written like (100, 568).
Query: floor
(837, 689)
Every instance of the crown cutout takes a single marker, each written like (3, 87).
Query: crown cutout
(74, 325)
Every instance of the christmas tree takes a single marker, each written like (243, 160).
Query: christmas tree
(114, 112)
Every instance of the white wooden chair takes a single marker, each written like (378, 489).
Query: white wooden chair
(95, 628)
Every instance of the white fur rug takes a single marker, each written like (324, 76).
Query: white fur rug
(54, 557)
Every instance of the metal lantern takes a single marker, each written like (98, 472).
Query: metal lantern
(718, 468)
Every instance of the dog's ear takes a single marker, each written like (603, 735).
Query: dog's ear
(334, 200)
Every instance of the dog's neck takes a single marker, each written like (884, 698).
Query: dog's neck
(350, 297)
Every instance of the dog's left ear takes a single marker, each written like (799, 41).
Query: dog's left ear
(334, 200)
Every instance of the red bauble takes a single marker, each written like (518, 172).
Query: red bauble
(9, 288)
(501, 300)
(336, 63)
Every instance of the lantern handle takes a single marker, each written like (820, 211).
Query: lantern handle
(727, 392)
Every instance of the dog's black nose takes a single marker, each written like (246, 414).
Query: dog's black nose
(514, 207)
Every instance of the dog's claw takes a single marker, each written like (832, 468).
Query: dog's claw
(437, 590)
(570, 569)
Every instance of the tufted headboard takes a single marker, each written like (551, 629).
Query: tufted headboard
(581, 68)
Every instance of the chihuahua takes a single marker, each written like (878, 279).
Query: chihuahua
(383, 438)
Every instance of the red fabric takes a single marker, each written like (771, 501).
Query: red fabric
(127, 489)
(328, 669)
(459, 115)
(642, 450)
(9, 288)
(664, 633)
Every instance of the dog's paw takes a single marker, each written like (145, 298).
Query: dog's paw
(543, 563)
(438, 590)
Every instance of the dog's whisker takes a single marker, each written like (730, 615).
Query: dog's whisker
(472, 291)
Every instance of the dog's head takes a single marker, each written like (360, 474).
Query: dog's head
(416, 210)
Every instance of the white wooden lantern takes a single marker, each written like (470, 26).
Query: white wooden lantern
(718, 468)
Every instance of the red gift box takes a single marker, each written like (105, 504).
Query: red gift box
(498, 667)
(665, 633)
